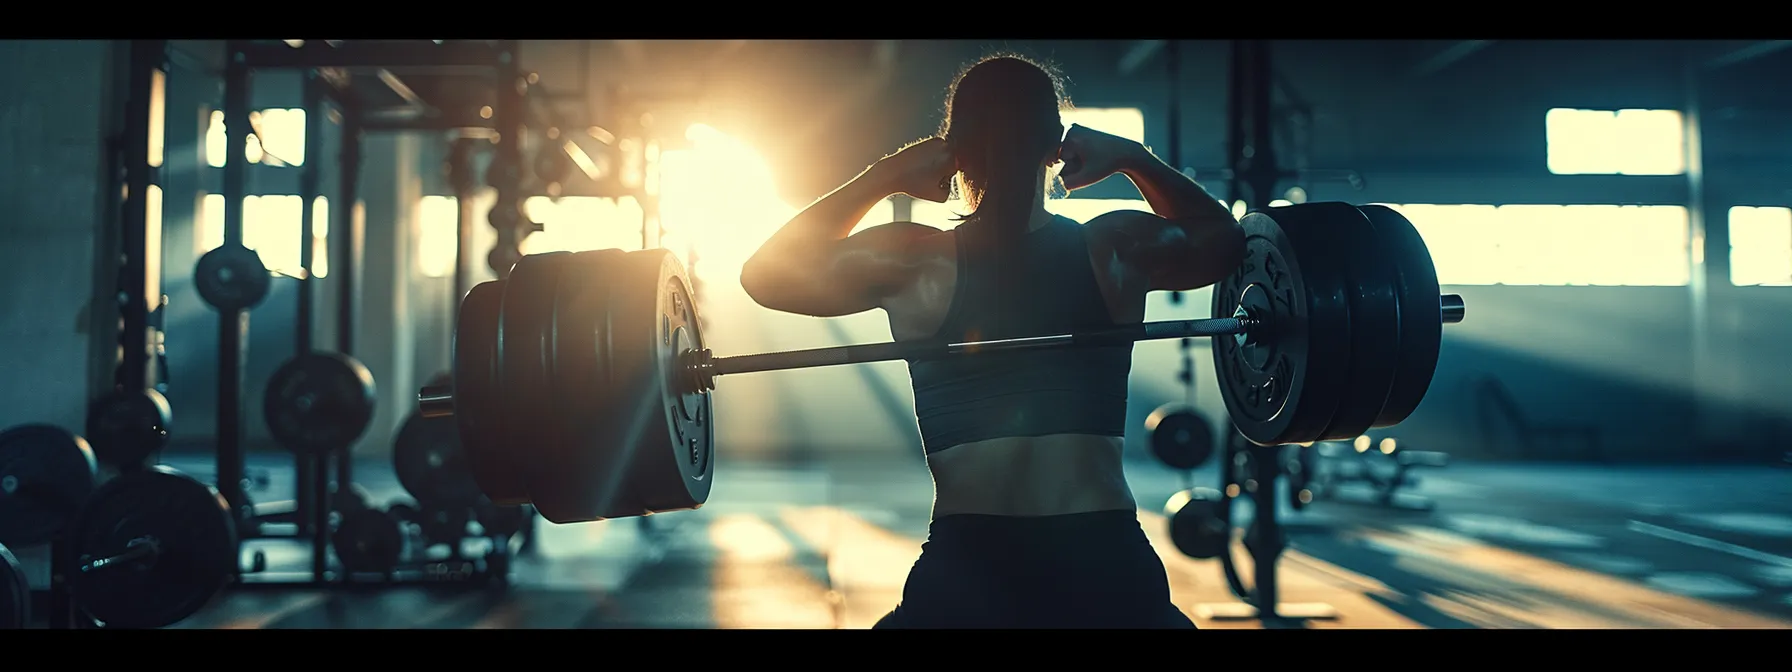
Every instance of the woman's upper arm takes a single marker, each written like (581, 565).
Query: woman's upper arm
(1171, 254)
(847, 277)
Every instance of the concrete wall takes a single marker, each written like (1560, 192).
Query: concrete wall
(55, 125)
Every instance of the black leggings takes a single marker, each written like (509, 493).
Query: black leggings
(1085, 570)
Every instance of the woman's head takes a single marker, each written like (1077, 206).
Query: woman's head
(1003, 126)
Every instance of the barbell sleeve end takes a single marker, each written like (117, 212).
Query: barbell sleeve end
(1453, 308)
(436, 401)
(699, 370)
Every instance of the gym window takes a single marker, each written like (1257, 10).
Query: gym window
(582, 223)
(1761, 246)
(882, 213)
(437, 219)
(1085, 209)
(941, 215)
(1615, 142)
(271, 228)
(158, 117)
(1126, 122)
(1545, 245)
(285, 144)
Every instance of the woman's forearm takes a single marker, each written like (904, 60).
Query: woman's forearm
(832, 217)
(1171, 194)
(808, 236)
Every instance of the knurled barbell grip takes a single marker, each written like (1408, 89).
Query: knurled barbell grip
(137, 550)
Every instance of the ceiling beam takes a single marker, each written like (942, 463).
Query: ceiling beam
(1138, 53)
(1449, 55)
(1746, 53)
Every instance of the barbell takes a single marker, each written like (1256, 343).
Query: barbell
(582, 383)
(146, 549)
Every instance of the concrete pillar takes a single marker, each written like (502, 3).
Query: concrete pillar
(1718, 425)
(386, 332)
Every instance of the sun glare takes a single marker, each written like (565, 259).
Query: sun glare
(718, 201)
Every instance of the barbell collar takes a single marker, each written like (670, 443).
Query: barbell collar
(1453, 308)
(436, 401)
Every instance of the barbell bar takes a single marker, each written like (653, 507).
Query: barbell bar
(701, 367)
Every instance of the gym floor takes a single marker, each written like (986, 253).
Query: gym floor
(828, 546)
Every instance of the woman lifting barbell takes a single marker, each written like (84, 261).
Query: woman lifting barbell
(1034, 524)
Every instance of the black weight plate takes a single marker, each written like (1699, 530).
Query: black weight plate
(444, 526)
(1180, 436)
(566, 472)
(649, 449)
(126, 427)
(1421, 313)
(525, 366)
(478, 400)
(353, 498)
(368, 541)
(1374, 322)
(686, 416)
(318, 402)
(231, 277)
(190, 523)
(15, 593)
(404, 513)
(502, 521)
(431, 465)
(1281, 385)
(1198, 523)
(45, 474)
